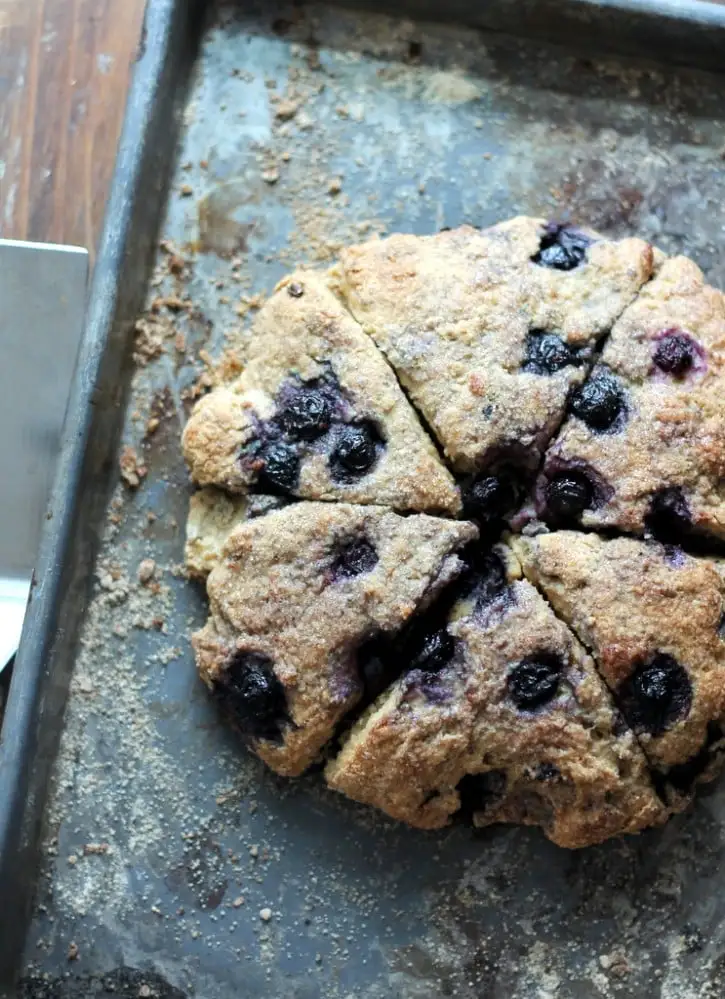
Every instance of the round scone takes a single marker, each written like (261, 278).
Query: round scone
(523, 373)
(652, 617)
(501, 712)
(294, 597)
(644, 446)
(317, 413)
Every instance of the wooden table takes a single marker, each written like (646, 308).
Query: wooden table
(64, 72)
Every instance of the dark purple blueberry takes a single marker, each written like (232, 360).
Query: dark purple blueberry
(656, 695)
(669, 515)
(355, 558)
(721, 626)
(568, 495)
(675, 353)
(547, 772)
(490, 498)
(435, 653)
(674, 556)
(480, 792)
(306, 414)
(600, 402)
(281, 468)
(491, 581)
(546, 353)
(561, 247)
(295, 289)
(355, 451)
(534, 681)
(250, 690)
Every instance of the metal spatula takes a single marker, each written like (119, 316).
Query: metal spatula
(42, 302)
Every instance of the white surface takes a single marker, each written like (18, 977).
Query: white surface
(42, 304)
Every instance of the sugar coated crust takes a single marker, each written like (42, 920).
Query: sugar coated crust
(652, 617)
(475, 735)
(310, 361)
(296, 595)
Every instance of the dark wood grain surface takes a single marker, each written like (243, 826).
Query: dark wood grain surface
(64, 72)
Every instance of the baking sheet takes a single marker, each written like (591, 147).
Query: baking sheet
(174, 864)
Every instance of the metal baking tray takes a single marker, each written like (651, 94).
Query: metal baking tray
(258, 135)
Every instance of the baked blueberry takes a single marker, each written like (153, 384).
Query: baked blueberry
(669, 515)
(479, 792)
(250, 690)
(295, 289)
(354, 559)
(675, 353)
(491, 497)
(281, 469)
(547, 772)
(435, 653)
(534, 681)
(599, 402)
(562, 247)
(568, 494)
(721, 626)
(306, 414)
(656, 695)
(546, 353)
(490, 580)
(355, 451)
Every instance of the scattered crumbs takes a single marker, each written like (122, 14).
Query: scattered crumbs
(265, 915)
(335, 185)
(270, 176)
(146, 570)
(72, 859)
(286, 110)
(186, 190)
(133, 471)
(238, 901)
(254, 851)
(95, 849)
(151, 332)
(73, 952)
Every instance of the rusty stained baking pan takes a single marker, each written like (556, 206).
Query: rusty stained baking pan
(302, 127)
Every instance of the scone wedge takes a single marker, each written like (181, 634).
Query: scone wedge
(652, 617)
(501, 713)
(295, 596)
(317, 413)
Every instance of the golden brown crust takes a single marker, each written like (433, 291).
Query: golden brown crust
(559, 765)
(630, 601)
(452, 312)
(673, 435)
(213, 515)
(277, 593)
(304, 334)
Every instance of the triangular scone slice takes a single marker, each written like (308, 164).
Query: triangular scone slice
(652, 618)
(645, 441)
(489, 330)
(296, 595)
(501, 712)
(317, 413)
(213, 515)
